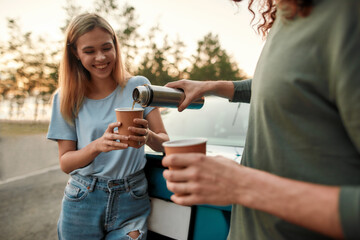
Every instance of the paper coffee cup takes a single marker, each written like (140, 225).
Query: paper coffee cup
(191, 145)
(126, 116)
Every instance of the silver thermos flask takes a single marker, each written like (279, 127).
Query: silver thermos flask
(159, 96)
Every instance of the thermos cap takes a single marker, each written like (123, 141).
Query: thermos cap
(141, 95)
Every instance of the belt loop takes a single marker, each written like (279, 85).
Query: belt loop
(92, 186)
(127, 185)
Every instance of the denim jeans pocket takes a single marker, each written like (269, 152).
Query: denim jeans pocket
(75, 191)
(139, 189)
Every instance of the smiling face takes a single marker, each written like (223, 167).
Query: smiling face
(97, 53)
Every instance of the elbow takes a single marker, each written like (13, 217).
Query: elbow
(164, 139)
(64, 168)
(66, 171)
(156, 140)
(164, 136)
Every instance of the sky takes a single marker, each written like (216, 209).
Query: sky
(191, 20)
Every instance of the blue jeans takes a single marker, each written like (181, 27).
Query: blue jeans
(96, 208)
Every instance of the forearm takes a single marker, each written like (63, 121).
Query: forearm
(312, 206)
(75, 159)
(155, 140)
(242, 91)
(156, 131)
(220, 88)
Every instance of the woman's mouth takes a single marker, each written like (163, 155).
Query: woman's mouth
(101, 66)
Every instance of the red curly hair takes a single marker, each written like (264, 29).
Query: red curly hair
(268, 8)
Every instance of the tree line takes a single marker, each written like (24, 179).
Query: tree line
(29, 65)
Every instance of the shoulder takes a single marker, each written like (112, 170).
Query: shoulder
(56, 96)
(343, 3)
(344, 22)
(337, 22)
(138, 80)
(347, 9)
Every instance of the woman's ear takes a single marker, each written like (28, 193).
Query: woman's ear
(75, 54)
(73, 51)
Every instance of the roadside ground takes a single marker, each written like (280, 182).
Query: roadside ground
(30, 207)
(31, 183)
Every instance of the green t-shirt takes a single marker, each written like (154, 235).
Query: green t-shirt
(305, 114)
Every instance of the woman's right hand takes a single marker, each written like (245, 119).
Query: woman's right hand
(192, 89)
(70, 158)
(108, 142)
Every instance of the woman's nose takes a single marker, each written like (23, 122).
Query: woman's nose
(99, 56)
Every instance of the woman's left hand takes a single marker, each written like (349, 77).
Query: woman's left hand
(141, 134)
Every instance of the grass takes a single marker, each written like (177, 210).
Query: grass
(11, 128)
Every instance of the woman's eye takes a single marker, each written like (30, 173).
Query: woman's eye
(89, 52)
(107, 49)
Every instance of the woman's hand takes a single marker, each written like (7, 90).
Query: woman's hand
(108, 141)
(141, 134)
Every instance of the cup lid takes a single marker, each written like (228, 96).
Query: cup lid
(125, 109)
(184, 142)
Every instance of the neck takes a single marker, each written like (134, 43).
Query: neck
(100, 89)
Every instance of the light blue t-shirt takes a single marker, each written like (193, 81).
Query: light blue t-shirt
(92, 121)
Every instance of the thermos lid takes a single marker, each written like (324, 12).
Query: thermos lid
(141, 95)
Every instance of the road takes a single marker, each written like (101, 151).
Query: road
(31, 188)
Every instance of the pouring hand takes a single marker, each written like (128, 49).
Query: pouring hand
(192, 89)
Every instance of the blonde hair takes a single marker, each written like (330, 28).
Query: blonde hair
(73, 77)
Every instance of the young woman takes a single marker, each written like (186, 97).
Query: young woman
(106, 195)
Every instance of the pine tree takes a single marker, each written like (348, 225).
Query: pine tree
(211, 62)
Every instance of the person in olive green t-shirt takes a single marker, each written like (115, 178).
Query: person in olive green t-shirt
(300, 172)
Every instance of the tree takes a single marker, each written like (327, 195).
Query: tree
(129, 36)
(27, 69)
(155, 64)
(177, 69)
(71, 10)
(212, 62)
